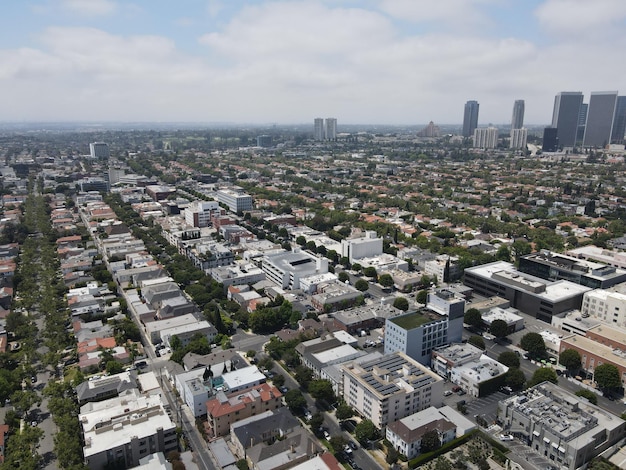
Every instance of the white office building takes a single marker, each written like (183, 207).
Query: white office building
(606, 306)
(236, 200)
(367, 246)
(199, 213)
(286, 268)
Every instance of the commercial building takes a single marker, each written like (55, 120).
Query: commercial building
(99, 150)
(619, 121)
(529, 294)
(224, 410)
(318, 353)
(236, 200)
(120, 431)
(606, 306)
(367, 246)
(565, 116)
(600, 119)
(444, 268)
(558, 425)
(550, 141)
(514, 322)
(199, 213)
(387, 389)
(554, 266)
(264, 141)
(470, 118)
(286, 268)
(517, 120)
(613, 258)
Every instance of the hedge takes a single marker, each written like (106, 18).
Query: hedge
(427, 457)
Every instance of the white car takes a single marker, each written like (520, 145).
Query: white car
(326, 436)
(447, 393)
(506, 437)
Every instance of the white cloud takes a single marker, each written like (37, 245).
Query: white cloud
(90, 7)
(582, 19)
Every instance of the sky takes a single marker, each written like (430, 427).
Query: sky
(402, 62)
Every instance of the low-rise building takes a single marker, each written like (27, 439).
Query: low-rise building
(223, 410)
(606, 306)
(387, 389)
(560, 426)
(514, 322)
(406, 434)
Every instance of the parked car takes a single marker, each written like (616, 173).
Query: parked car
(507, 390)
(326, 435)
(456, 388)
(506, 437)
(447, 393)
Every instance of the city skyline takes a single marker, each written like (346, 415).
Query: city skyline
(379, 62)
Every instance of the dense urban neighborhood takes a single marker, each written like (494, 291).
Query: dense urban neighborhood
(296, 298)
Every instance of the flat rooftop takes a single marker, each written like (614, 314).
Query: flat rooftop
(416, 319)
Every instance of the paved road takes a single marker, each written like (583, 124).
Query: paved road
(360, 456)
(243, 341)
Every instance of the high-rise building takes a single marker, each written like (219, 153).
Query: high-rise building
(582, 120)
(619, 122)
(318, 129)
(264, 141)
(550, 140)
(470, 118)
(331, 129)
(99, 150)
(517, 121)
(518, 138)
(565, 116)
(600, 118)
(486, 137)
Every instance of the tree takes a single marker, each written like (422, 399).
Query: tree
(499, 328)
(543, 374)
(361, 285)
(343, 276)
(316, 421)
(588, 394)
(392, 456)
(279, 380)
(401, 303)
(421, 297)
(303, 376)
(503, 253)
(473, 317)
(114, 367)
(477, 341)
(344, 411)
(337, 443)
(515, 378)
(370, 271)
(607, 377)
(509, 359)
(175, 343)
(322, 390)
(385, 280)
(570, 359)
(533, 343)
(365, 431)
(294, 399)
(430, 441)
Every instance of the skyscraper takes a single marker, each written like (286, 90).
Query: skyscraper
(600, 118)
(550, 140)
(582, 120)
(470, 118)
(517, 121)
(565, 116)
(331, 129)
(318, 129)
(518, 138)
(619, 122)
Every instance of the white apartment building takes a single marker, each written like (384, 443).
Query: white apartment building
(387, 389)
(606, 306)
(518, 138)
(199, 213)
(122, 430)
(444, 268)
(236, 201)
(486, 138)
